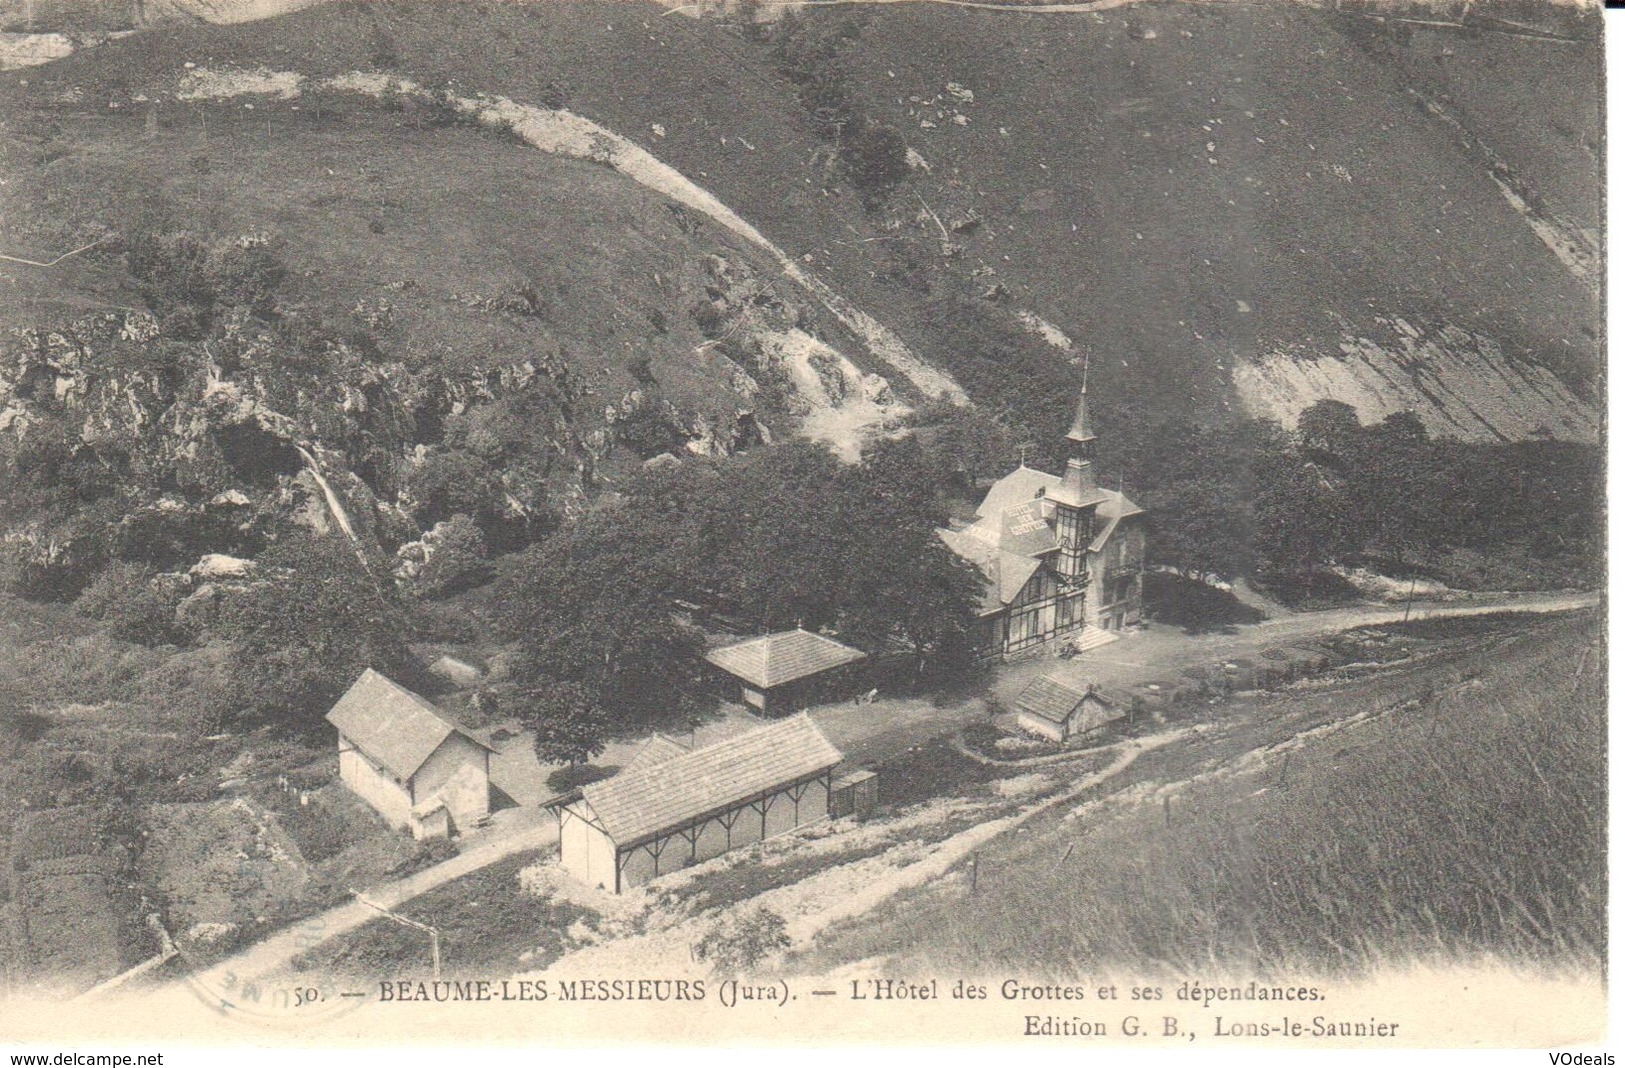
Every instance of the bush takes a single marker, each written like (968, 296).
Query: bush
(26, 575)
(876, 161)
(745, 942)
(458, 559)
(426, 854)
(651, 429)
(982, 737)
(124, 599)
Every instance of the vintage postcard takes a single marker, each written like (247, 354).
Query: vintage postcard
(1070, 526)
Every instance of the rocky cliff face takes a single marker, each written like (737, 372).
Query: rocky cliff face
(1462, 385)
(510, 283)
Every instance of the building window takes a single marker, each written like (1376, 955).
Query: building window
(1024, 628)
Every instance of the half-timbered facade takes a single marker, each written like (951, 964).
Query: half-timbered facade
(1057, 553)
(671, 807)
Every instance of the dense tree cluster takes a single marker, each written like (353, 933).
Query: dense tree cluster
(304, 630)
(1240, 497)
(774, 538)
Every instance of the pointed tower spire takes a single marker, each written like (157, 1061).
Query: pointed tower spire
(1078, 485)
(1083, 429)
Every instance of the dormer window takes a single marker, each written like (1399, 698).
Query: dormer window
(1040, 492)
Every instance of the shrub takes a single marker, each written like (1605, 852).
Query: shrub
(651, 429)
(124, 599)
(876, 161)
(23, 724)
(28, 574)
(452, 482)
(458, 559)
(744, 942)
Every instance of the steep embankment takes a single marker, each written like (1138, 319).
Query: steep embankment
(1181, 189)
(1462, 385)
(1188, 189)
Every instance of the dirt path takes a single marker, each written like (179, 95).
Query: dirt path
(1160, 653)
(1168, 762)
(516, 831)
(841, 892)
(875, 732)
(1259, 745)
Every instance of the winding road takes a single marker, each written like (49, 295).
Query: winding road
(873, 731)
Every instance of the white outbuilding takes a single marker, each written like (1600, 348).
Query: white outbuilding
(401, 755)
(672, 806)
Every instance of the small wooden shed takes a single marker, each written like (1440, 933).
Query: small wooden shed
(1060, 711)
(671, 807)
(855, 794)
(777, 672)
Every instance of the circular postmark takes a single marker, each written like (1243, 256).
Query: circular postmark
(260, 983)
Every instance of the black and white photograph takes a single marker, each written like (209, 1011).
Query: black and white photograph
(1073, 526)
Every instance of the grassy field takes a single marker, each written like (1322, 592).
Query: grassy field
(488, 926)
(1120, 146)
(1461, 817)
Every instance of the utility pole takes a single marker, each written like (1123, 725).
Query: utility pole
(434, 934)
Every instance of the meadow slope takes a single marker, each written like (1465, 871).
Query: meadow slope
(1151, 181)
(1456, 819)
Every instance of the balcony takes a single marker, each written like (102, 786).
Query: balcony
(1112, 573)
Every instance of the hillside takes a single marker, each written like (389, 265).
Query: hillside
(1161, 190)
(1165, 189)
(740, 230)
(1332, 829)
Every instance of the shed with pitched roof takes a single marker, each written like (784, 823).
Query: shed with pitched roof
(671, 807)
(401, 755)
(777, 671)
(1060, 710)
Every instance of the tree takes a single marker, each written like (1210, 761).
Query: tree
(1199, 493)
(592, 605)
(1300, 517)
(453, 482)
(901, 581)
(571, 726)
(1329, 431)
(457, 559)
(1396, 484)
(308, 629)
(782, 536)
(876, 159)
